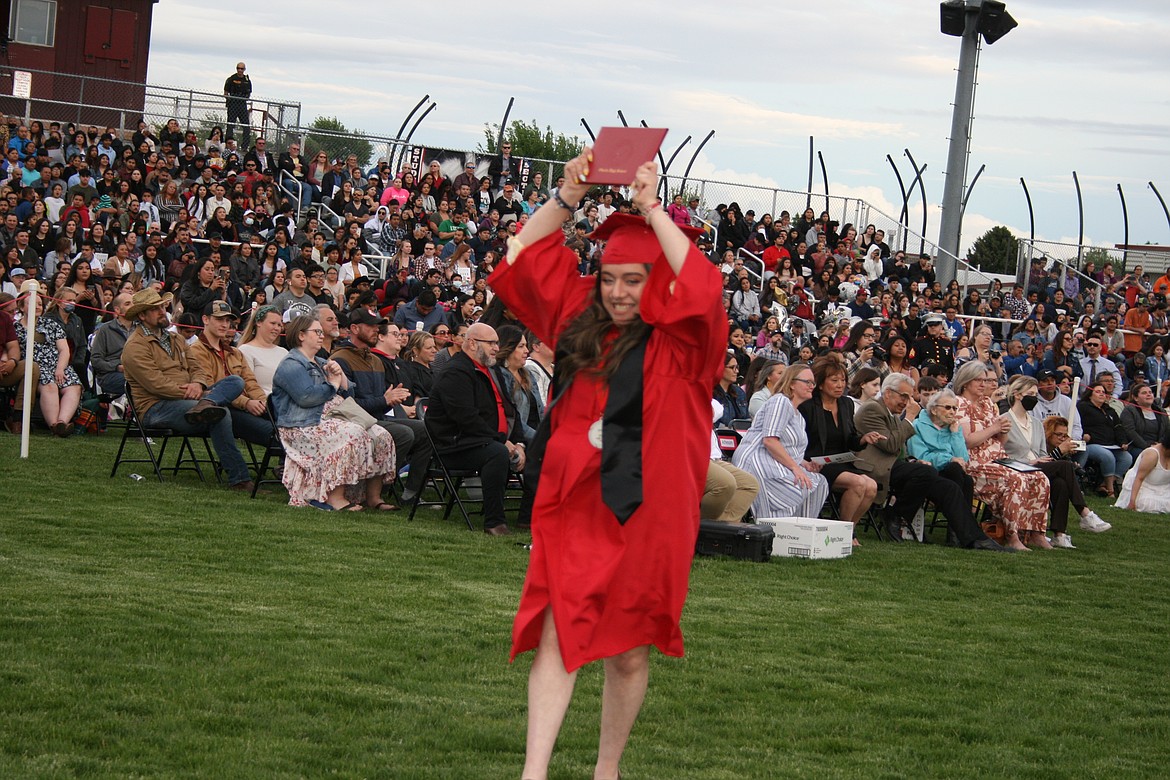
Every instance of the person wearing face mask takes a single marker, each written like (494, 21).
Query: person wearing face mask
(1027, 443)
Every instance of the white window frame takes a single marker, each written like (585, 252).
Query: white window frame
(50, 32)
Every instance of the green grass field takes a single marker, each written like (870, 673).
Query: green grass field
(184, 631)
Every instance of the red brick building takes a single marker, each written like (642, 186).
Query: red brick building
(75, 54)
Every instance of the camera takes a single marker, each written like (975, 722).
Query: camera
(879, 353)
(996, 350)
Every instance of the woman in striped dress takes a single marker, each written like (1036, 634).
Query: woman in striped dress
(773, 452)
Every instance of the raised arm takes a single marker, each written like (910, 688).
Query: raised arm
(673, 241)
(553, 214)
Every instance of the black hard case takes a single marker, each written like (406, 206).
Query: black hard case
(737, 540)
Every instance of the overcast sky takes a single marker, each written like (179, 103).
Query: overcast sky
(1078, 85)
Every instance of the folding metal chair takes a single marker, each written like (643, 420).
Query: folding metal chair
(148, 435)
(443, 481)
(273, 450)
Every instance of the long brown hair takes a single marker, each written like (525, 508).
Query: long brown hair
(582, 343)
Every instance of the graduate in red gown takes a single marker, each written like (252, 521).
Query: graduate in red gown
(616, 512)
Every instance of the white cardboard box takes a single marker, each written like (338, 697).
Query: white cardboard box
(809, 537)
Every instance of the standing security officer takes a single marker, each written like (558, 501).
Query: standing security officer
(935, 347)
(237, 89)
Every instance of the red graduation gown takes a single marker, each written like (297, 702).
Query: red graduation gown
(615, 587)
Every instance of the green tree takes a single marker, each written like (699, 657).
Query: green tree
(528, 140)
(337, 141)
(995, 251)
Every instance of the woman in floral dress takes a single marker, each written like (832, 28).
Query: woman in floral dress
(59, 393)
(1020, 499)
(329, 463)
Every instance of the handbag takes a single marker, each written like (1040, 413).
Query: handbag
(349, 411)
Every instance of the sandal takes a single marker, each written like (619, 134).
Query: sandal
(382, 507)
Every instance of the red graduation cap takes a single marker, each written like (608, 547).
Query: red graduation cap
(630, 240)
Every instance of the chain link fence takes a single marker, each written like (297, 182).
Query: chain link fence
(86, 100)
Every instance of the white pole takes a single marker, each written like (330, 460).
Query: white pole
(31, 287)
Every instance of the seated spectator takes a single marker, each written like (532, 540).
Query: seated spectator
(59, 391)
(1146, 487)
(1106, 442)
(214, 358)
(858, 348)
(983, 350)
(1027, 443)
(13, 364)
(912, 482)
(514, 382)
(765, 382)
(458, 333)
(295, 301)
(330, 463)
(829, 419)
(419, 354)
(939, 441)
(424, 309)
(1019, 499)
(166, 394)
(1094, 364)
(729, 491)
(260, 345)
(380, 384)
(773, 451)
(468, 428)
(106, 353)
(728, 393)
(1144, 420)
(865, 385)
(201, 285)
(745, 306)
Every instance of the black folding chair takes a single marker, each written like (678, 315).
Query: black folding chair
(148, 436)
(273, 450)
(445, 482)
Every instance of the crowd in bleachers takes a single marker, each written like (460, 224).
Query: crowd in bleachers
(259, 237)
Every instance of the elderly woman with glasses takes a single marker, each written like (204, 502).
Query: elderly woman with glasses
(330, 462)
(938, 440)
(1019, 499)
(773, 448)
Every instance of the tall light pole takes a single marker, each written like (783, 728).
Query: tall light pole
(968, 20)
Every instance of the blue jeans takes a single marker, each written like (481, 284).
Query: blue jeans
(113, 383)
(170, 414)
(1113, 463)
(250, 427)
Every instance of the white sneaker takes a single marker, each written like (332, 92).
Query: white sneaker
(1062, 540)
(1092, 523)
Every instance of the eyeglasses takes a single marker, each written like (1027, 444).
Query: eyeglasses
(900, 394)
(442, 333)
(484, 341)
(1092, 343)
(809, 382)
(315, 330)
(951, 407)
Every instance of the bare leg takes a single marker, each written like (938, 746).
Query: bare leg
(626, 678)
(373, 491)
(550, 688)
(70, 400)
(857, 494)
(50, 398)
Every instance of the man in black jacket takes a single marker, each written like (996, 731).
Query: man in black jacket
(474, 425)
(367, 380)
(237, 89)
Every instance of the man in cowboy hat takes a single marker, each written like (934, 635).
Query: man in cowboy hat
(163, 381)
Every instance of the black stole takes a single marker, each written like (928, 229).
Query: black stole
(621, 435)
